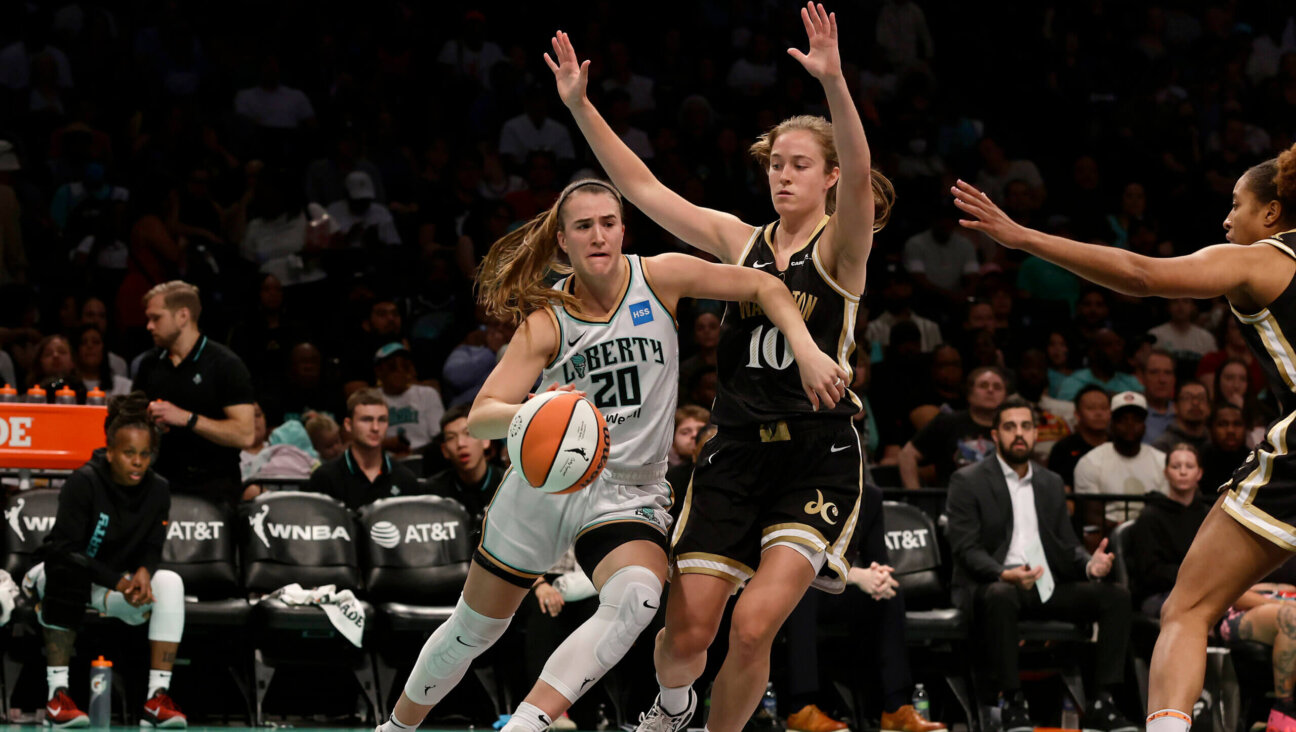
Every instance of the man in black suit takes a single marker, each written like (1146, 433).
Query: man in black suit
(1016, 556)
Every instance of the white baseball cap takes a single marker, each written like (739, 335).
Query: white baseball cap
(1129, 399)
(360, 186)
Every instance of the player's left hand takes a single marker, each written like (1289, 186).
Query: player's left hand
(166, 413)
(1100, 564)
(140, 590)
(824, 60)
(822, 379)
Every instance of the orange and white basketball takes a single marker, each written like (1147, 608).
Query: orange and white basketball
(559, 442)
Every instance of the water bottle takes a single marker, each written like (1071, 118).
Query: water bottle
(36, 395)
(96, 397)
(768, 713)
(1070, 717)
(65, 395)
(922, 702)
(100, 692)
(8, 394)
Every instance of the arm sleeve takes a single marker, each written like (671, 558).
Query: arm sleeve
(72, 528)
(965, 530)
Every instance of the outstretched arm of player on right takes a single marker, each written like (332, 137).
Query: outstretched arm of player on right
(720, 234)
(1220, 270)
(509, 383)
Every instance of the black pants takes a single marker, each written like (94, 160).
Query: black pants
(874, 647)
(1000, 605)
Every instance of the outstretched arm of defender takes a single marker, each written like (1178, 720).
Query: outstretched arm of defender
(717, 233)
(509, 383)
(680, 275)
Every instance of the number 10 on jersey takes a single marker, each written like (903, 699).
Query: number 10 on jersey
(768, 349)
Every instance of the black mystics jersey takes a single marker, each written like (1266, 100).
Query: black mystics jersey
(1267, 332)
(758, 378)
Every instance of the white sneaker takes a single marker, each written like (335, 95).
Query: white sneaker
(657, 720)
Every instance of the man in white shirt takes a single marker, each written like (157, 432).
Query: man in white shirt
(1017, 557)
(414, 410)
(897, 296)
(1122, 467)
(942, 260)
(534, 130)
(272, 104)
(1180, 335)
(360, 218)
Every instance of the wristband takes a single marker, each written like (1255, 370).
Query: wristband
(193, 421)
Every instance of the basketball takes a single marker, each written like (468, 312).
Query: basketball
(558, 441)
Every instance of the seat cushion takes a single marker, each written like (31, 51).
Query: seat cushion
(399, 617)
(940, 624)
(231, 613)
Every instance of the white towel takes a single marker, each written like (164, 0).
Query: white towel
(8, 595)
(344, 611)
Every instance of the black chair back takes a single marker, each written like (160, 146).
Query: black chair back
(915, 555)
(30, 516)
(415, 549)
(289, 536)
(200, 547)
(1119, 543)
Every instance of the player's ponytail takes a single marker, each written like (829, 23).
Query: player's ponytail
(883, 191)
(511, 281)
(130, 410)
(1275, 180)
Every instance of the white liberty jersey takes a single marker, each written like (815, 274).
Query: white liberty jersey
(628, 366)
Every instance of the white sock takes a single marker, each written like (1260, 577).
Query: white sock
(158, 680)
(528, 718)
(674, 700)
(395, 725)
(56, 677)
(1168, 720)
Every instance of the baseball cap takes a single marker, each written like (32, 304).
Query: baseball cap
(360, 186)
(8, 157)
(395, 348)
(1128, 400)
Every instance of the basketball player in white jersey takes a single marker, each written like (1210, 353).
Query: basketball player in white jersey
(607, 330)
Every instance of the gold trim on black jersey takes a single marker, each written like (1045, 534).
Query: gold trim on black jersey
(1275, 342)
(814, 236)
(1240, 502)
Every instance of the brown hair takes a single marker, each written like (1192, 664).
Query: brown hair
(37, 372)
(1275, 180)
(317, 425)
(511, 281)
(363, 397)
(1183, 446)
(821, 129)
(692, 411)
(177, 294)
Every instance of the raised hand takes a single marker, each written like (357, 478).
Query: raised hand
(1100, 565)
(570, 74)
(824, 60)
(986, 216)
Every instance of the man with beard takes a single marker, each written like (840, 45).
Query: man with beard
(1017, 557)
(1227, 449)
(200, 393)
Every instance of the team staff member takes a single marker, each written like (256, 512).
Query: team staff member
(472, 477)
(200, 394)
(365, 472)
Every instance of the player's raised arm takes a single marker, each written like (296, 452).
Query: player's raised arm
(717, 233)
(857, 190)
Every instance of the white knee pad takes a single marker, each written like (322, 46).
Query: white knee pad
(167, 622)
(447, 654)
(627, 604)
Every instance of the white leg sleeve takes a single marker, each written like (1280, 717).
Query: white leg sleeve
(627, 603)
(167, 622)
(447, 654)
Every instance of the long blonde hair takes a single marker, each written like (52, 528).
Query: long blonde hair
(821, 129)
(511, 280)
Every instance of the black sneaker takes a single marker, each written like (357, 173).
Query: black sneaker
(1015, 716)
(1103, 716)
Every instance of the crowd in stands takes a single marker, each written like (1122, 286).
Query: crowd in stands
(329, 176)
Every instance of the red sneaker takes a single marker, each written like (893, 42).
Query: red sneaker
(161, 711)
(61, 712)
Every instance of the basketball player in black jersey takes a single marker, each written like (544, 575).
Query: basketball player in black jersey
(1252, 528)
(775, 495)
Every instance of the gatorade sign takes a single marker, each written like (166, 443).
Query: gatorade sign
(49, 436)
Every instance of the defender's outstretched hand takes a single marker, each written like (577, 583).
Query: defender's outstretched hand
(571, 74)
(824, 60)
(986, 216)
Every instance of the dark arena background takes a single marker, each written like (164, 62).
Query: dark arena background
(330, 175)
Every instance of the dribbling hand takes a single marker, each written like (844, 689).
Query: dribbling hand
(824, 60)
(570, 74)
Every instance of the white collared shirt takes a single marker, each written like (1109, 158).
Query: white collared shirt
(1025, 522)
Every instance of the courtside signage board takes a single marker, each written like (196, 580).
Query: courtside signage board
(49, 436)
